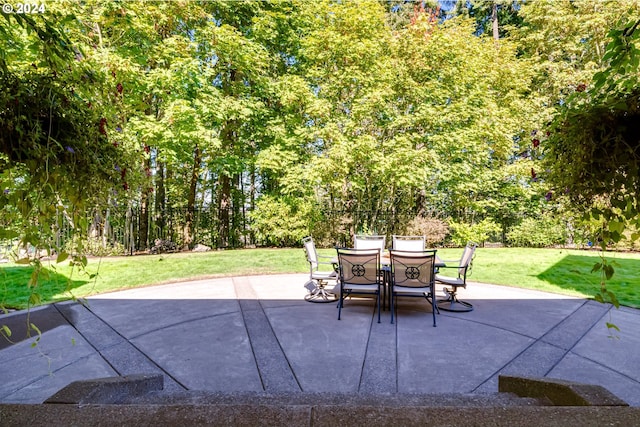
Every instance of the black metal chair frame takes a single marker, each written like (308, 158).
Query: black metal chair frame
(413, 270)
(358, 267)
(375, 241)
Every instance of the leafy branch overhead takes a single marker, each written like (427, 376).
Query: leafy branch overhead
(594, 152)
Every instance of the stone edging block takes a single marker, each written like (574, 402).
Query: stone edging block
(108, 390)
(559, 392)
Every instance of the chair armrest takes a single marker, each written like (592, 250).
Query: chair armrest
(328, 259)
(451, 281)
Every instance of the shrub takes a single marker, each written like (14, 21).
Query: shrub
(281, 221)
(538, 232)
(434, 230)
(461, 232)
(93, 246)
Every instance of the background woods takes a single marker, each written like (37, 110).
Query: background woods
(255, 123)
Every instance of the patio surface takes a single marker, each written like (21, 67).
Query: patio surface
(257, 334)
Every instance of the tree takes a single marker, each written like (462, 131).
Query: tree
(350, 68)
(466, 99)
(57, 113)
(593, 150)
(494, 17)
(596, 139)
(565, 41)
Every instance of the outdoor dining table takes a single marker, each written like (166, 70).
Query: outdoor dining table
(385, 267)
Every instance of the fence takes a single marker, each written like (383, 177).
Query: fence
(128, 230)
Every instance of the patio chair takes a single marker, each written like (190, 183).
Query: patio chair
(413, 275)
(375, 242)
(359, 274)
(370, 242)
(318, 280)
(463, 268)
(408, 243)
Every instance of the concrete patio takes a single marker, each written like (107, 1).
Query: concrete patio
(257, 334)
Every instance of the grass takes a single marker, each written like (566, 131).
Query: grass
(552, 270)
(561, 271)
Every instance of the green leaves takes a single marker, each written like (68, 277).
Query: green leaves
(606, 268)
(612, 326)
(34, 299)
(5, 330)
(61, 257)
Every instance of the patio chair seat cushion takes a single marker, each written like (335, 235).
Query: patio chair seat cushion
(451, 281)
(324, 275)
(361, 288)
(408, 290)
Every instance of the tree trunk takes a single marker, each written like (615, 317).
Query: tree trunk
(144, 220)
(128, 233)
(160, 201)
(237, 204)
(107, 232)
(143, 232)
(188, 231)
(228, 138)
(252, 195)
(494, 21)
(224, 204)
(243, 235)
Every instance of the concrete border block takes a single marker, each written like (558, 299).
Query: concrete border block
(559, 392)
(108, 390)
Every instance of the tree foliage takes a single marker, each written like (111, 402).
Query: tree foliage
(269, 120)
(596, 138)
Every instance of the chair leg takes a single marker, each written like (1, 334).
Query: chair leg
(434, 314)
(392, 305)
(434, 307)
(452, 303)
(344, 295)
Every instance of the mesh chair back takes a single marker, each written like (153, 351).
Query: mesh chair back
(408, 243)
(467, 258)
(370, 242)
(413, 269)
(359, 266)
(310, 249)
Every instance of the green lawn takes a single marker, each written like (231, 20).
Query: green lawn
(552, 270)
